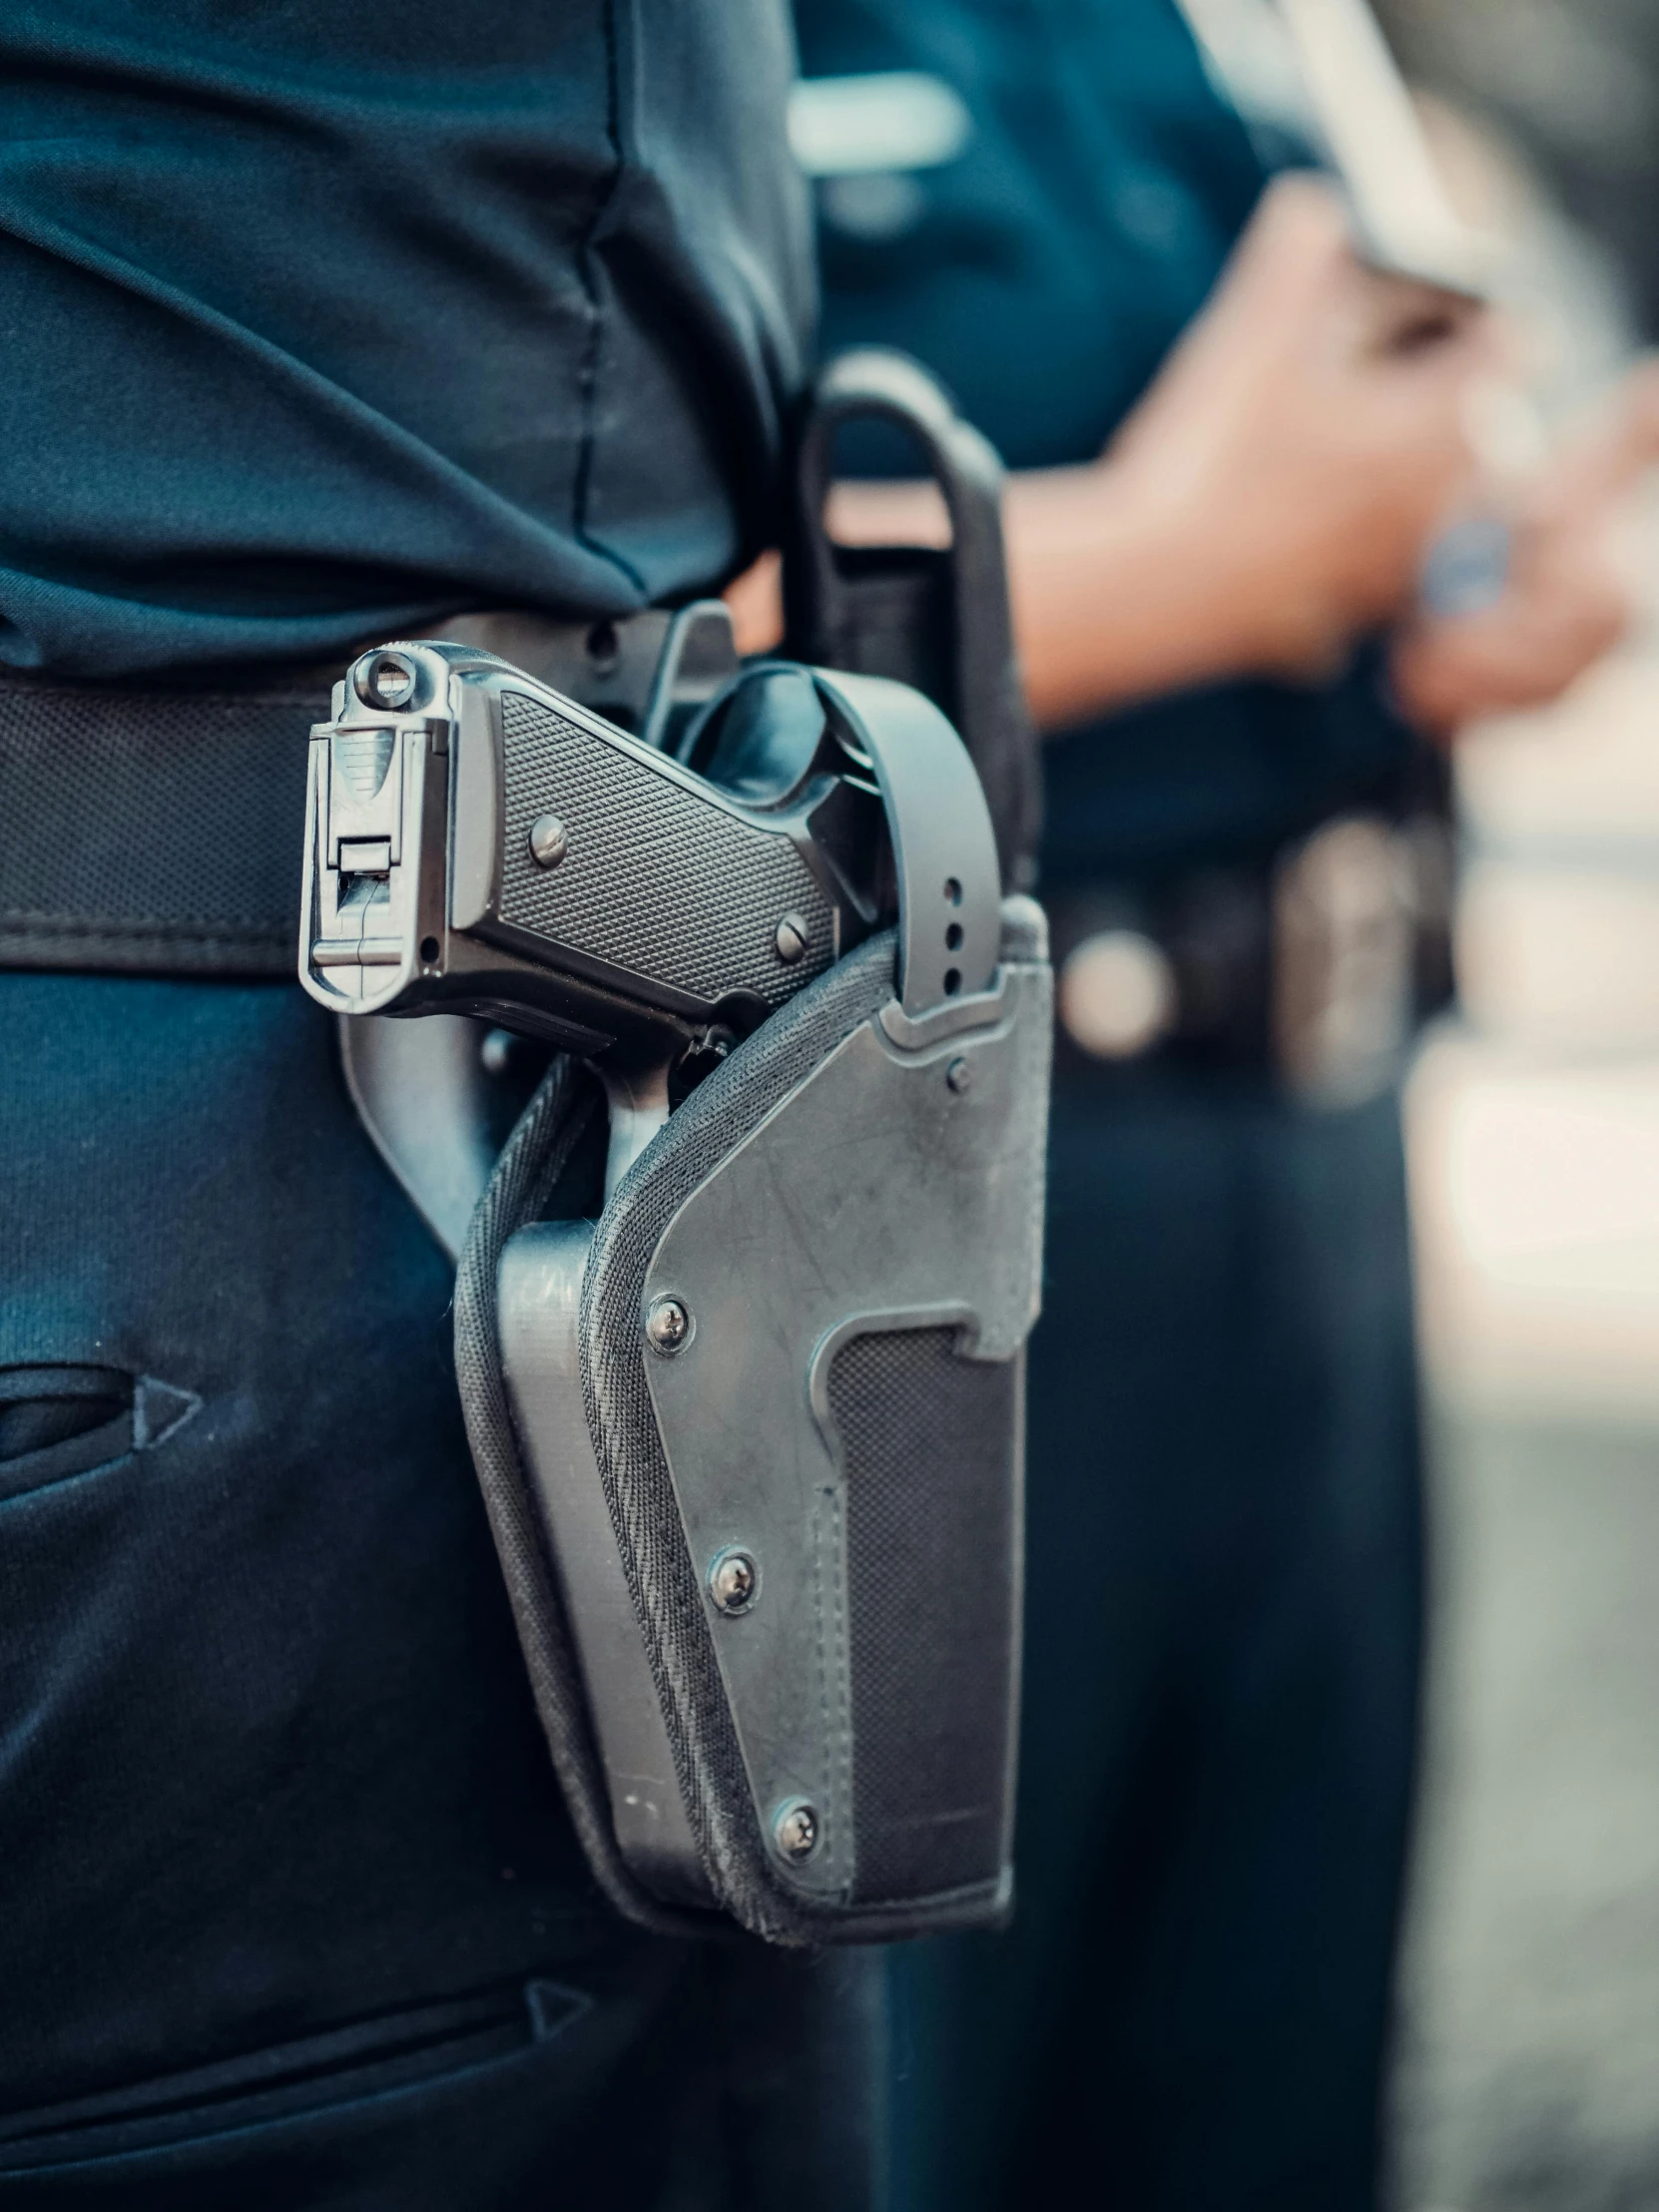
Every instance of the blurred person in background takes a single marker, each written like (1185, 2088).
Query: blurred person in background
(1232, 447)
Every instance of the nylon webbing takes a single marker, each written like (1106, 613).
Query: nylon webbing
(161, 832)
(146, 832)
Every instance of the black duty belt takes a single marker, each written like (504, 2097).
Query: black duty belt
(159, 833)
(1315, 968)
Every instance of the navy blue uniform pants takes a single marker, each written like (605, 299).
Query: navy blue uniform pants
(293, 1916)
(1222, 1654)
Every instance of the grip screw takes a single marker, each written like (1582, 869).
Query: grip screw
(666, 1326)
(796, 1831)
(960, 1076)
(734, 1581)
(792, 940)
(549, 840)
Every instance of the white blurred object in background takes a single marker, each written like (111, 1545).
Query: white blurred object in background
(1535, 1122)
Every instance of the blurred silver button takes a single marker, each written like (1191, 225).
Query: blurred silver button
(1117, 996)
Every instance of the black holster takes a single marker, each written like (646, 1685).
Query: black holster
(752, 1442)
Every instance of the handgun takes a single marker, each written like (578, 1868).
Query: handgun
(480, 843)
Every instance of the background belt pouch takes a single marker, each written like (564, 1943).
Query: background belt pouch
(753, 1450)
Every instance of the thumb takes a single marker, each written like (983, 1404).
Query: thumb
(1295, 248)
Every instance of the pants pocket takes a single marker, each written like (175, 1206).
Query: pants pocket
(60, 1420)
(341, 2117)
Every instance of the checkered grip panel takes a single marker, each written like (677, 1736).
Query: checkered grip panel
(655, 880)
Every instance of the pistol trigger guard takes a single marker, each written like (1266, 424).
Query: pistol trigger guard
(636, 1098)
(423, 1093)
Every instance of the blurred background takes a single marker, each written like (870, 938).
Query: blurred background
(1528, 2073)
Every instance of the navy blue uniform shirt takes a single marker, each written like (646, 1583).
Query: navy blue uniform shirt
(320, 321)
(1044, 272)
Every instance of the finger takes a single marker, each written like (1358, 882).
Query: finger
(1421, 398)
(1602, 463)
(1294, 253)
(1414, 408)
(1278, 282)
(1409, 318)
(1521, 655)
(1301, 224)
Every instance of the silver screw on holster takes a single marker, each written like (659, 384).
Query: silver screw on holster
(666, 1326)
(734, 1581)
(795, 1832)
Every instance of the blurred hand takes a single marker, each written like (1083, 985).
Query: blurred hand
(1267, 503)
(1568, 598)
(1308, 435)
